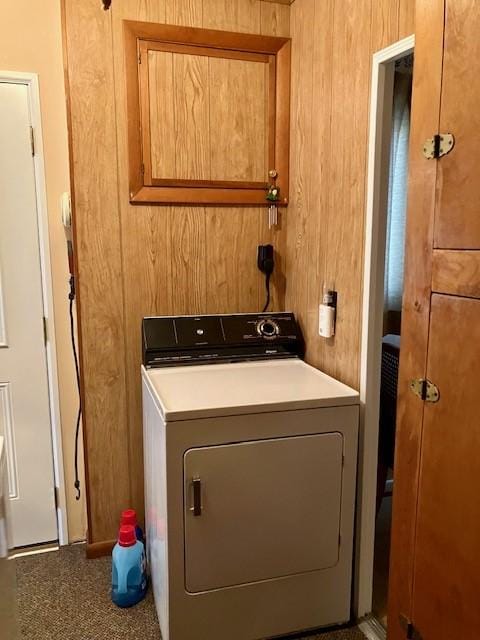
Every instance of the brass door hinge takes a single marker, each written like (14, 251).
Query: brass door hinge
(32, 140)
(438, 146)
(45, 330)
(425, 389)
(409, 628)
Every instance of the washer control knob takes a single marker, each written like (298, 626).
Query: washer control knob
(268, 328)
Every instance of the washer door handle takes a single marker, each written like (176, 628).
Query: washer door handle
(197, 497)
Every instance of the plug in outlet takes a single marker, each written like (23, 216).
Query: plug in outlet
(326, 314)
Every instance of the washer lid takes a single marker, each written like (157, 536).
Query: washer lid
(185, 393)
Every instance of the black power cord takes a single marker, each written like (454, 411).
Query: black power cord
(266, 263)
(267, 287)
(71, 297)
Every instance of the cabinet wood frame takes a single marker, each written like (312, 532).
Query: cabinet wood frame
(276, 52)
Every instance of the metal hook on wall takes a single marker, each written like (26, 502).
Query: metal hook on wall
(106, 4)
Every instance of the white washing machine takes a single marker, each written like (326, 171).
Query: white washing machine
(250, 468)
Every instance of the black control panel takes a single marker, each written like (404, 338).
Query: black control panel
(182, 340)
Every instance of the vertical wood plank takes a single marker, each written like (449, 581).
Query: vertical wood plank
(191, 131)
(99, 268)
(344, 238)
(300, 208)
(385, 16)
(188, 258)
(323, 147)
(233, 278)
(232, 15)
(188, 13)
(274, 19)
(237, 107)
(162, 114)
(146, 263)
(406, 18)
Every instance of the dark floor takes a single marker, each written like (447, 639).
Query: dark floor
(63, 596)
(382, 560)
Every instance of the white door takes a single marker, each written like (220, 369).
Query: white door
(261, 510)
(24, 392)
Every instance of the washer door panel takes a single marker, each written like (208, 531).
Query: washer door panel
(261, 510)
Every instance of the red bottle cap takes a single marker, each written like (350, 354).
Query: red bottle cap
(126, 536)
(129, 516)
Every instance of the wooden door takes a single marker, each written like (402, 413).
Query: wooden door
(435, 560)
(447, 550)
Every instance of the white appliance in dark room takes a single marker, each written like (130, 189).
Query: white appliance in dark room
(250, 469)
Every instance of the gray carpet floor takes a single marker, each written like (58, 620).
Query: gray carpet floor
(63, 596)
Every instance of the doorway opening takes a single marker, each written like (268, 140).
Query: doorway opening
(392, 74)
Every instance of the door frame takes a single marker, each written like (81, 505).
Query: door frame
(381, 99)
(30, 80)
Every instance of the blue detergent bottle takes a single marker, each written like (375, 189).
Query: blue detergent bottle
(129, 578)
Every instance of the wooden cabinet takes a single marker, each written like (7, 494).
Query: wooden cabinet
(435, 561)
(208, 115)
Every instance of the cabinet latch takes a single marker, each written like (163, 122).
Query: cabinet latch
(409, 628)
(438, 146)
(425, 389)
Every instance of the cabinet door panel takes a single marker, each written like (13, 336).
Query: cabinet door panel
(447, 558)
(239, 105)
(179, 118)
(457, 219)
(270, 508)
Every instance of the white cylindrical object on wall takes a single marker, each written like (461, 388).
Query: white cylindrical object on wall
(326, 321)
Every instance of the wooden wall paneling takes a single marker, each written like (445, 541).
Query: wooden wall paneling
(135, 261)
(192, 119)
(456, 272)
(158, 74)
(189, 260)
(232, 15)
(88, 41)
(233, 280)
(429, 22)
(300, 208)
(322, 149)
(279, 2)
(385, 19)
(344, 239)
(146, 262)
(188, 13)
(406, 18)
(457, 223)
(275, 21)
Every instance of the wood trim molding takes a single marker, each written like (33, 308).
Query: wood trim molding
(144, 188)
(99, 549)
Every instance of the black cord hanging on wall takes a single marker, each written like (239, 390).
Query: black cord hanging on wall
(71, 297)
